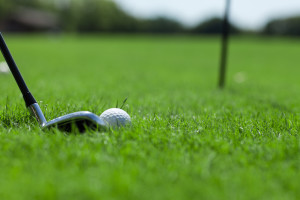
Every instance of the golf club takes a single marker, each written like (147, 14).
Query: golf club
(82, 120)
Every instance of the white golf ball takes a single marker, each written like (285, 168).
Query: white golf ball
(4, 68)
(115, 117)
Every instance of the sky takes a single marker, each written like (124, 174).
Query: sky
(248, 14)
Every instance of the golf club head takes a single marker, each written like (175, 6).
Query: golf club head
(81, 121)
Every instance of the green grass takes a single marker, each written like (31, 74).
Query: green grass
(188, 140)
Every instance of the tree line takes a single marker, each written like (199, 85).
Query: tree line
(106, 16)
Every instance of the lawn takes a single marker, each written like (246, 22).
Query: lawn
(188, 139)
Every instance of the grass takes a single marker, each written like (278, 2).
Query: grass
(188, 140)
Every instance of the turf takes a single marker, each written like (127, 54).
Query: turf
(188, 139)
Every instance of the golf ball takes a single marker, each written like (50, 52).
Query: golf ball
(115, 117)
(4, 68)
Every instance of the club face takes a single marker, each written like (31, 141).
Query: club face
(81, 121)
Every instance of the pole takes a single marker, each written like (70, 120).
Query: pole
(224, 48)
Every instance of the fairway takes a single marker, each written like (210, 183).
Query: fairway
(188, 139)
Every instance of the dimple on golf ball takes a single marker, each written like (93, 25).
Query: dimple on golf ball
(115, 117)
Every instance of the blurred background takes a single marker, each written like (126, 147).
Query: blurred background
(157, 16)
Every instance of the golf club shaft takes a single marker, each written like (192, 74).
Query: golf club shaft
(28, 98)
